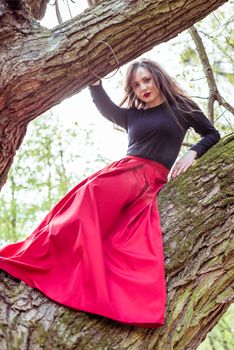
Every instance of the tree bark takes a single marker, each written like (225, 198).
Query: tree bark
(198, 223)
(35, 8)
(41, 67)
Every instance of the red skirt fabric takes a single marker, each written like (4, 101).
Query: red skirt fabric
(100, 248)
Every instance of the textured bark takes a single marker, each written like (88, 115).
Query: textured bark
(33, 8)
(41, 67)
(38, 8)
(93, 2)
(197, 220)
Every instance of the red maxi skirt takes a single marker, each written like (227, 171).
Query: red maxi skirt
(100, 248)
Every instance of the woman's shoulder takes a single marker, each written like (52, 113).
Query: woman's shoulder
(186, 108)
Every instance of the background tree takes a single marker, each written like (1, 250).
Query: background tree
(44, 171)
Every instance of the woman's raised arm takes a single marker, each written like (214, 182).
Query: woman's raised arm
(107, 108)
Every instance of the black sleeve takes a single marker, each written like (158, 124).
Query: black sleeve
(201, 124)
(107, 108)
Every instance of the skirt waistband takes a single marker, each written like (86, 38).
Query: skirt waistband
(162, 168)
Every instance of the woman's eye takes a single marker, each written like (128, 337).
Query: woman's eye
(147, 80)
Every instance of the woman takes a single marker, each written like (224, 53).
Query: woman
(100, 248)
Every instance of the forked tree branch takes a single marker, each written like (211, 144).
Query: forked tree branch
(214, 94)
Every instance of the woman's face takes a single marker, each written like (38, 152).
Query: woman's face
(145, 88)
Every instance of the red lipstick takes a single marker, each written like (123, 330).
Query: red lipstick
(147, 94)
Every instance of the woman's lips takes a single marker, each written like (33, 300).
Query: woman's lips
(147, 94)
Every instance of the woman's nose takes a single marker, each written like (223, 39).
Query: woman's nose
(142, 87)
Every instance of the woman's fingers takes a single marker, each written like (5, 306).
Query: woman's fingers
(186, 167)
(182, 164)
(176, 170)
(180, 167)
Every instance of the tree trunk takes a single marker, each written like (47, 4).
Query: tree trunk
(197, 221)
(41, 67)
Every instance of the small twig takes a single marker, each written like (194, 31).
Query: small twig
(217, 43)
(225, 104)
(222, 113)
(201, 97)
(227, 119)
(198, 79)
(58, 13)
(68, 6)
(187, 144)
(217, 20)
(92, 3)
(117, 61)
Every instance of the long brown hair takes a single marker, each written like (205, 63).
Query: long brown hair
(171, 92)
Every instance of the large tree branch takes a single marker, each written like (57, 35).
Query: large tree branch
(198, 232)
(36, 8)
(214, 94)
(40, 67)
(58, 57)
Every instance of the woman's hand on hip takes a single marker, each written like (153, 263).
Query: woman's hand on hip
(183, 163)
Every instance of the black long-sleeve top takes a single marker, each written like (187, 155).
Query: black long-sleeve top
(152, 132)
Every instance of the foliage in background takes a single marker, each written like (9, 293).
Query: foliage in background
(216, 32)
(48, 164)
(222, 335)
